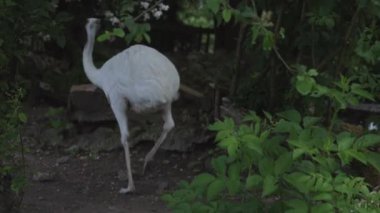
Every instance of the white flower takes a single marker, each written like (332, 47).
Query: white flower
(163, 7)
(157, 14)
(144, 4)
(114, 20)
(108, 14)
(146, 16)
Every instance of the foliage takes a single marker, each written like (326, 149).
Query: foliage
(12, 117)
(133, 16)
(56, 119)
(334, 38)
(287, 162)
(261, 171)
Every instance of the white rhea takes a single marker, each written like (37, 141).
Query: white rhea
(140, 76)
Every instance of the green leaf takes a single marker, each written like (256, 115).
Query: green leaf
(366, 141)
(213, 5)
(358, 90)
(219, 165)
(104, 37)
(283, 126)
(215, 189)
(227, 124)
(266, 166)
(167, 198)
(183, 208)
(283, 163)
(22, 117)
(360, 156)
(200, 207)
(233, 186)
(147, 37)
(227, 142)
(252, 142)
(252, 181)
(255, 30)
(312, 72)
(310, 121)
(322, 208)
(269, 185)
(234, 171)
(118, 32)
(345, 141)
(297, 206)
(227, 15)
(299, 181)
(202, 180)
(268, 40)
(291, 115)
(323, 196)
(374, 159)
(304, 86)
(222, 134)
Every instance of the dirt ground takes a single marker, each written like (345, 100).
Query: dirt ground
(82, 184)
(61, 182)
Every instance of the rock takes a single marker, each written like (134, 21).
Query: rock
(51, 136)
(44, 176)
(88, 103)
(101, 140)
(63, 160)
(74, 149)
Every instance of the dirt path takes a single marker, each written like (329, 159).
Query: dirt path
(82, 184)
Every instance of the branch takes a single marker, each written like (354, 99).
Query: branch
(346, 39)
(147, 10)
(282, 59)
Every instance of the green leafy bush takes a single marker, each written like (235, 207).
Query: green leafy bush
(12, 179)
(289, 163)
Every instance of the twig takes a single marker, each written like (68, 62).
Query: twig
(313, 46)
(191, 91)
(346, 39)
(282, 59)
(236, 75)
(147, 10)
(300, 52)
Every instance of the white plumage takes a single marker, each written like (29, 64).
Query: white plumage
(139, 75)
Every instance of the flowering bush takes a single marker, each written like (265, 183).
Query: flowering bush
(134, 17)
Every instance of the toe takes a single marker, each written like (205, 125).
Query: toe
(127, 190)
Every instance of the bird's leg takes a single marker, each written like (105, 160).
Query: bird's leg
(168, 125)
(118, 106)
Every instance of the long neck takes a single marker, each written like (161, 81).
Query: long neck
(92, 73)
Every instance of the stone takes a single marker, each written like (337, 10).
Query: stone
(51, 137)
(44, 176)
(63, 160)
(101, 140)
(87, 103)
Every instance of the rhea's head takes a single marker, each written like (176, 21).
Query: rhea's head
(92, 26)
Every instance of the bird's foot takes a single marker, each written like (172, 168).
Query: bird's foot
(128, 190)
